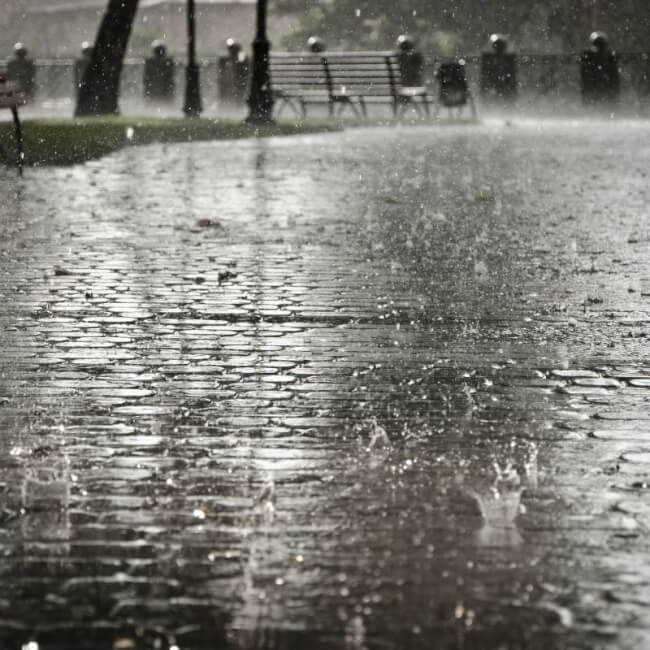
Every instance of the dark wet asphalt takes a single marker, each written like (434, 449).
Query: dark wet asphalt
(380, 389)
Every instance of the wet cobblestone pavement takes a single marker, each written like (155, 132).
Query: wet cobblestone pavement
(387, 388)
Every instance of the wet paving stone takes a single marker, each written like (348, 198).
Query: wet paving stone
(320, 393)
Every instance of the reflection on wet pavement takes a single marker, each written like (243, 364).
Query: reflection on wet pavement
(380, 389)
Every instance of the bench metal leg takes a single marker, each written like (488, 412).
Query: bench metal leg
(425, 101)
(472, 105)
(286, 101)
(279, 105)
(416, 106)
(396, 109)
(20, 144)
(299, 108)
(419, 103)
(348, 102)
(399, 110)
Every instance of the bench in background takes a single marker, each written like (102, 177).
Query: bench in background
(342, 80)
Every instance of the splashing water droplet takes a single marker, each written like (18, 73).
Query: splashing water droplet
(499, 505)
(379, 438)
(266, 501)
(267, 493)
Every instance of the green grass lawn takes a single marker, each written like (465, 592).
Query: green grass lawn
(66, 142)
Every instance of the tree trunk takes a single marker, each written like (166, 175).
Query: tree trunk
(100, 85)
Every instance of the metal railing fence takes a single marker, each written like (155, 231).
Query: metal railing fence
(552, 80)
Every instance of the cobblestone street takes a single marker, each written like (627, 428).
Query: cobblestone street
(381, 389)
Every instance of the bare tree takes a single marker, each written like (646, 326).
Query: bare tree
(99, 89)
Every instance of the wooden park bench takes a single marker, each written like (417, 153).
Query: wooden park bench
(342, 80)
(11, 97)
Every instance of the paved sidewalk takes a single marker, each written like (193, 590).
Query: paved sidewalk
(386, 388)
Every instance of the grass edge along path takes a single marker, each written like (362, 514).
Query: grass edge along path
(71, 141)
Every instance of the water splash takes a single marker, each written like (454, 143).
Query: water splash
(45, 488)
(378, 437)
(259, 619)
(499, 505)
(530, 467)
(265, 501)
(45, 496)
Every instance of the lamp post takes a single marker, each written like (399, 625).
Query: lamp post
(192, 106)
(260, 100)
